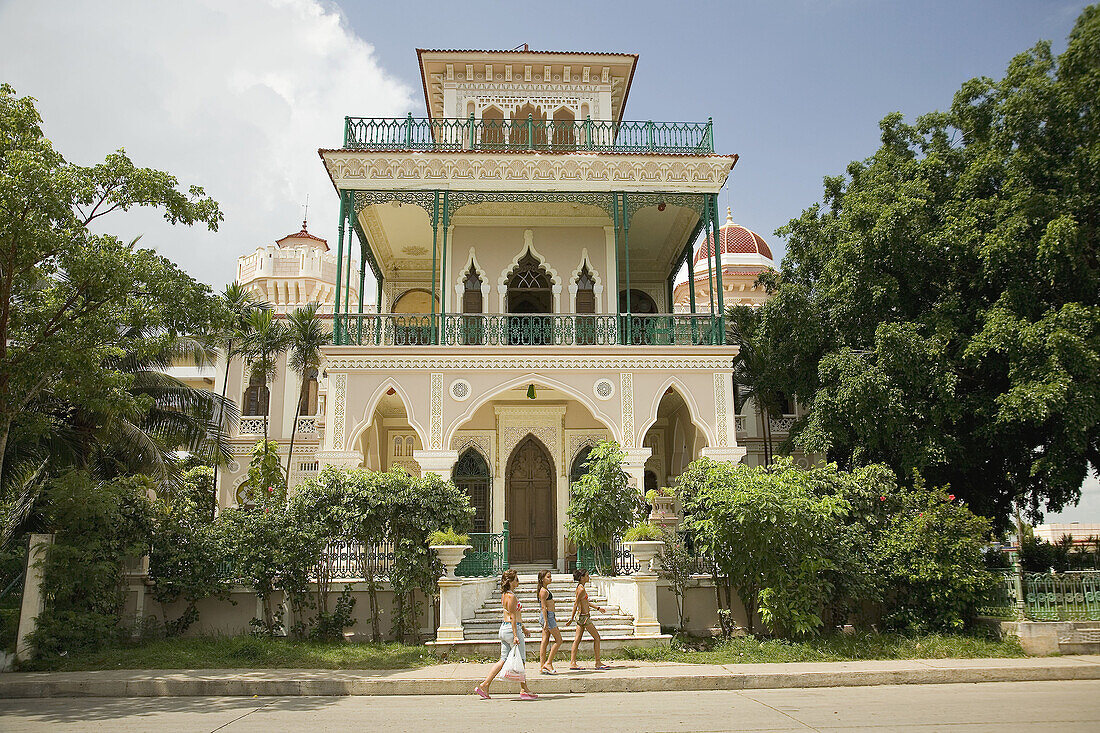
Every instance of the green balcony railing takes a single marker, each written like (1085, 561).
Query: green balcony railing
(453, 134)
(560, 329)
(488, 557)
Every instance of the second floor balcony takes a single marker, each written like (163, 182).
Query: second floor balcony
(500, 135)
(527, 330)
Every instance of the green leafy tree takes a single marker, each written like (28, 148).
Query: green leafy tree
(306, 337)
(957, 274)
(238, 303)
(602, 504)
(266, 482)
(68, 296)
(769, 536)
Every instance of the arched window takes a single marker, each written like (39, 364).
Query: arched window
(586, 295)
(473, 331)
(398, 446)
(409, 445)
(564, 129)
(529, 292)
(492, 128)
(256, 396)
(471, 475)
(579, 467)
(528, 127)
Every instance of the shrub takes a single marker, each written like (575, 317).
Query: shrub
(643, 532)
(770, 537)
(676, 565)
(185, 562)
(931, 558)
(602, 504)
(448, 537)
(98, 524)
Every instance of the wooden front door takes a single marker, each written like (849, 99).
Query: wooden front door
(529, 504)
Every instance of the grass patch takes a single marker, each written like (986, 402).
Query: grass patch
(241, 652)
(830, 648)
(249, 652)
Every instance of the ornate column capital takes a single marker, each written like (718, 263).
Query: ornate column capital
(636, 456)
(439, 462)
(733, 454)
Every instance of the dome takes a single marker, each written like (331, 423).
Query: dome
(302, 237)
(735, 240)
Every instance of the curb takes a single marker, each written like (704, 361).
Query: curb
(43, 685)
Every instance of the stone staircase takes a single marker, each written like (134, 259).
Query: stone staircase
(1083, 638)
(485, 623)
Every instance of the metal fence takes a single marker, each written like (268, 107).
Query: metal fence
(450, 134)
(488, 557)
(1069, 596)
(558, 329)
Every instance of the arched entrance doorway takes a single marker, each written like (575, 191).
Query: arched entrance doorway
(471, 475)
(529, 504)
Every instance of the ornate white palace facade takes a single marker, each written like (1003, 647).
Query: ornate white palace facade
(538, 289)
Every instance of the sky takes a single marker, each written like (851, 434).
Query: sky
(237, 96)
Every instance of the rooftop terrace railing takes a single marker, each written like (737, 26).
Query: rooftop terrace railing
(456, 134)
(560, 329)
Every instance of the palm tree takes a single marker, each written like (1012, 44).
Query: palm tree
(265, 341)
(307, 336)
(751, 369)
(239, 302)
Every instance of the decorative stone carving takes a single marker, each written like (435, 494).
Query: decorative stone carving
(545, 423)
(578, 171)
(436, 421)
(555, 362)
(604, 389)
(460, 390)
(720, 409)
(338, 406)
(576, 441)
(626, 386)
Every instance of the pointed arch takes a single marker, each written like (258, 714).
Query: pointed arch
(367, 419)
(597, 288)
(506, 273)
(460, 277)
(538, 379)
(689, 399)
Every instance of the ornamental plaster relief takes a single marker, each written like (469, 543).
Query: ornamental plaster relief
(576, 440)
(556, 362)
(535, 171)
(545, 423)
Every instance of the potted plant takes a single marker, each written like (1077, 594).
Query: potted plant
(643, 540)
(450, 546)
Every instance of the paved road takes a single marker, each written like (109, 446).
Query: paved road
(998, 706)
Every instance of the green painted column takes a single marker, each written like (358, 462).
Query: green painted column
(435, 242)
(362, 286)
(618, 279)
(347, 277)
(718, 266)
(443, 269)
(713, 244)
(339, 263)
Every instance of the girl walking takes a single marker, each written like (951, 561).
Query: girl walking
(582, 612)
(549, 624)
(512, 633)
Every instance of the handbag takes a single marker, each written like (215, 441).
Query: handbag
(513, 666)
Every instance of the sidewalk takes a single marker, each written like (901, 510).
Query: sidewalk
(626, 676)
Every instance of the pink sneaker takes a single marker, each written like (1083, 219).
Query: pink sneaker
(482, 693)
(527, 696)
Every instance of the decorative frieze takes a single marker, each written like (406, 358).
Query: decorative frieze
(527, 171)
(436, 422)
(555, 362)
(626, 396)
(340, 383)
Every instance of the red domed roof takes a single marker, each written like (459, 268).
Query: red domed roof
(735, 239)
(301, 235)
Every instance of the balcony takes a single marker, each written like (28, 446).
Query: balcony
(472, 134)
(564, 329)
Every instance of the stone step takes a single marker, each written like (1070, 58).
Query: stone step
(560, 611)
(609, 630)
(615, 618)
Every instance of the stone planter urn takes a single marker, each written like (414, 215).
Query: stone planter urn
(663, 513)
(450, 556)
(644, 552)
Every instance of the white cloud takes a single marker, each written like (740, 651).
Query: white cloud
(232, 96)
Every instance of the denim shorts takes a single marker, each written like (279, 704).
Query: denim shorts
(505, 636)
(551, 621)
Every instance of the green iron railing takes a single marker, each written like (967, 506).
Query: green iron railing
(453, 134)
(488, 557)
(562, 329)
(1047, 596)
(613, 558)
